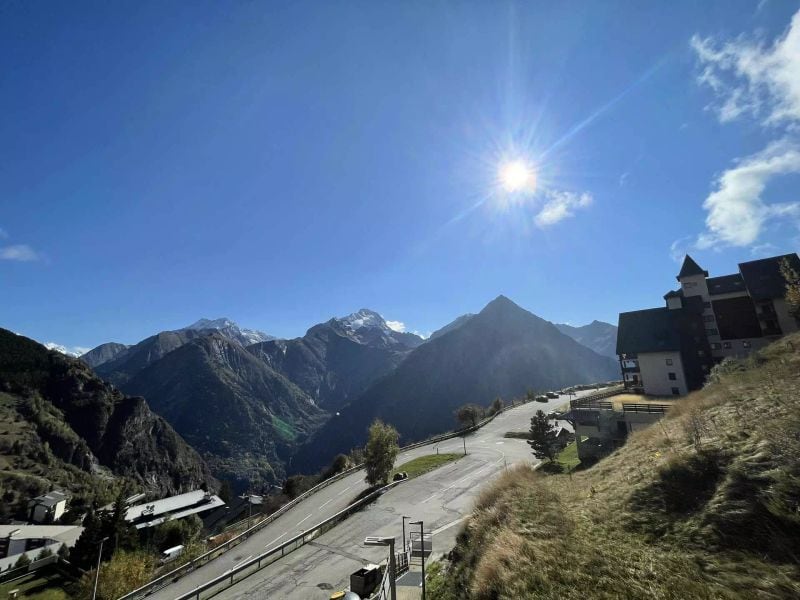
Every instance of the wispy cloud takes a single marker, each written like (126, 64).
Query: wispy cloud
(736, 211)
(398, 326)
(761, 81)
(561, 205)
(753, 78)
(18, 252)
(623, 179)
(680, 247)
(3, 234)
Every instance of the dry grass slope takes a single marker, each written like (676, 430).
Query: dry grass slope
(705, 504)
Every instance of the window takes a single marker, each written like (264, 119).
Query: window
(669, 361)
(690, 284)
(676, 392)
(672, 376)
(707, 304)
(745, 344)
(701, 353)
(726, 345)
(716, 346)
(708, 318)
(712, 331)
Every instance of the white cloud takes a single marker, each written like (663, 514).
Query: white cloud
(397, 326)
(680, 247)
(736, 212)
(18, 252)
(561, 205)
(750, 77)
(624, 178)
(3, 234)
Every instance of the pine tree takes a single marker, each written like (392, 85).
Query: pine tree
(542, 437)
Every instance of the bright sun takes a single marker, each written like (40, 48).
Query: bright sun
(517, 176)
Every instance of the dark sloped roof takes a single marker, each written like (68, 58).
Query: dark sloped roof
(763, 277)
(725, 284)
(650, 330)
(673, 294)
(689, 268)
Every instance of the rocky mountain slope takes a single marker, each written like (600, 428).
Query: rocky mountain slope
(597, 335)
(502, 351)
(239, 413)
(337, 360)
(231, 331)
(103, 353)
(63, 426)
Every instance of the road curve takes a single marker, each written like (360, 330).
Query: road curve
(441, 498)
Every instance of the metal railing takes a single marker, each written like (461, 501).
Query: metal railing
(645, 408)
(265, 559)
(384, 591)
(594, 400)
(17, 572)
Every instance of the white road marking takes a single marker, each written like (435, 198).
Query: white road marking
(306, 519)
(241, 562)
(344, 490)
(321, 506)
(448, 526)
(498, 443)
(275, 540)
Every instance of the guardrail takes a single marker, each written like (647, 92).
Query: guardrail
(16, 573)
(645, 408)
(167, 578)
(265, 559)
(593, 400)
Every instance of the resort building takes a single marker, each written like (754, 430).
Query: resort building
(668, 351)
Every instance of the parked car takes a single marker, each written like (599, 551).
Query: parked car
(552, 395)
(541, 398)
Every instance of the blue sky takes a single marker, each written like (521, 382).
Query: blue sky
(280, 163)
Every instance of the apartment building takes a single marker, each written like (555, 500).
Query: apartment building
(668, 351)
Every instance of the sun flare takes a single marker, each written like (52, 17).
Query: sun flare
(517, 176)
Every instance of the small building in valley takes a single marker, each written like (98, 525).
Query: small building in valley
(156, 512)
(47, 508)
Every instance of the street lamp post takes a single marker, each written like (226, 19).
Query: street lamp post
(404, 532)
(387, 541)
(97, 572)
(422, 548)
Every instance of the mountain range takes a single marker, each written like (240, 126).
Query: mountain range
(253, 409)
(597, 335)
(64, 427)
(502, 351)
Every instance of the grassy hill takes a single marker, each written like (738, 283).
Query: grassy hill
(705, 504)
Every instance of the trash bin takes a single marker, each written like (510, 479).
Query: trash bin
(364, 581)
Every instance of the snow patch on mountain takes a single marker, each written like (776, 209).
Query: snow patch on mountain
(74, 351)
(231, 330)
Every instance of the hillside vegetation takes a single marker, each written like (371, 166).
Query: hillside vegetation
(705, 504)
(62, 426)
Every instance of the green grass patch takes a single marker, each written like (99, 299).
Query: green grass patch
(568, 457)
(45, 584)
(423, 464)
(284, 429)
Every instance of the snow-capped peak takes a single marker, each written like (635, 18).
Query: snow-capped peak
(363, 318)
(231, 330)
(74, 351)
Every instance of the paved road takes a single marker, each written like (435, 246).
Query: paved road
(440, 498)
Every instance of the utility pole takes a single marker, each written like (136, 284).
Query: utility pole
(422, 548)
(97, 572)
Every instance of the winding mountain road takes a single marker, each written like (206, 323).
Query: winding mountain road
(441, 498)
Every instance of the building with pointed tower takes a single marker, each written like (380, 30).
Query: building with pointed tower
(670, 350)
